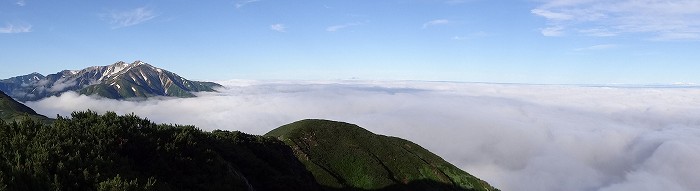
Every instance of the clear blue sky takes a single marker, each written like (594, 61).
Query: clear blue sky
(520, 41)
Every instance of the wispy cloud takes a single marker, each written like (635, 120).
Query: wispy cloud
(553, 31)
(244, 3)
(120, 19)
(480, 34)
(335, 28)
(436, 22)
(599, 32)
(21, 3)
(278, 27)
(460, 38)
(674, 36)
(660, 20)
(598, 47)
(16, 28)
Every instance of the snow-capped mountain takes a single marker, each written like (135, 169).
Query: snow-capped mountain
(117, 81)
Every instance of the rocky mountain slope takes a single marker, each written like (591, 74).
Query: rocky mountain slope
(117, 81)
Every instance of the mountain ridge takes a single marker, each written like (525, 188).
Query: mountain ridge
(345, 156)
(11, 110)
(120, 80)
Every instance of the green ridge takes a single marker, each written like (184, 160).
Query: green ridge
(346, 157)
(11, 110)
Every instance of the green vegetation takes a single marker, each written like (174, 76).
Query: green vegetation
(110, 152)
(11, 110)
(346, 157)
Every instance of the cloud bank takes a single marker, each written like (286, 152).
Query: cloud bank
(516, 137)
(661, 20)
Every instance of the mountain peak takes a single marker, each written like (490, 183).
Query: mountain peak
(139, 62)
(118, 81)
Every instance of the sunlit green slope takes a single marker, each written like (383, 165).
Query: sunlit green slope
(344, 156)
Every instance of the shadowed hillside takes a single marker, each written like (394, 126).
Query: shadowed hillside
(110, 152)
(11, 110)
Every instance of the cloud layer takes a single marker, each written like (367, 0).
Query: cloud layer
(661, 20)
(517, 137)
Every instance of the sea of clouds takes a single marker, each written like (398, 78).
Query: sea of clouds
(515, 136)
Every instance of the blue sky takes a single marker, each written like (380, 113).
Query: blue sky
(518, 41)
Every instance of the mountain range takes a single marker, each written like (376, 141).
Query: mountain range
(117, 81)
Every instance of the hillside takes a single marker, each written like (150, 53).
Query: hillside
(343, 156)
(117, 81)
(110, 152)
(11, 110)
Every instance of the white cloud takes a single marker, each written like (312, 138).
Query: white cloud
(436, 22)
(62, 84)
(599, 32)
(661, 20)
(15, 28)
(480, 34)
(335, 28)
(21, 3)
(598, 47)
(673, 36)
(551, 15)
(278, 27)
(120, 19)
(517, 137)
(460, 38)
(553, 31)
(244, 3)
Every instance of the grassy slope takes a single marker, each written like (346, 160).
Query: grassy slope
(343, 156)
(11, 110)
